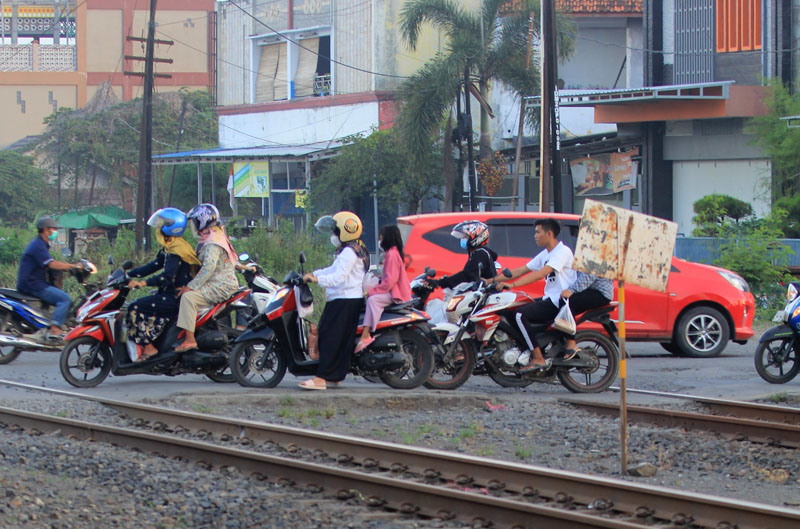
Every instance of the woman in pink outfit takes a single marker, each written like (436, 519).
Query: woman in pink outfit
(393, 288)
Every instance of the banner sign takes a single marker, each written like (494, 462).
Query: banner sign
(604, 174)
(251, 180)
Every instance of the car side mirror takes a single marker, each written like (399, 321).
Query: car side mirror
(302, 257)
(507, 272)
(127, 264)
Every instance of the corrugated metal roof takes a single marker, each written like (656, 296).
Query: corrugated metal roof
(246, 153)
(715, 90)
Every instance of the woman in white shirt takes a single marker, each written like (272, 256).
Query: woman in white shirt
(344, 298)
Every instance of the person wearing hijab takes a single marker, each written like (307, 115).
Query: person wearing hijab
(216, 281)
(150, 315)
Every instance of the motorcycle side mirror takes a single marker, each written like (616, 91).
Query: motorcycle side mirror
(127, 264)
(430, 272)
(244, 257)
(111, 260)
(302, 257)
(507, 272)
(497, 266)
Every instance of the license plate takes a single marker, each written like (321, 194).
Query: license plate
(778, 318)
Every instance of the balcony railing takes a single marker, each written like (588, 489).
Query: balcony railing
(38, 58)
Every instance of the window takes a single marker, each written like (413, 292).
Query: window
(738, 25)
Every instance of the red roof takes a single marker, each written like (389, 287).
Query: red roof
(600, 6)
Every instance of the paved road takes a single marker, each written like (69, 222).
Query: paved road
(730, 375)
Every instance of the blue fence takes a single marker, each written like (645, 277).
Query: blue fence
(706, 249)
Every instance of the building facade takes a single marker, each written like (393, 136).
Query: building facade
(56, 53)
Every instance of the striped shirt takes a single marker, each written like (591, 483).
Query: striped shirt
(586, 281)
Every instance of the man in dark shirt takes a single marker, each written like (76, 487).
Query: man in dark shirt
(32, 275)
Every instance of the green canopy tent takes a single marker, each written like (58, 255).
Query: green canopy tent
(94, 217)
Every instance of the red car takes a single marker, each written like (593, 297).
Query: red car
(704, 306)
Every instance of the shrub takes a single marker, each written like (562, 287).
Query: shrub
(713, 211)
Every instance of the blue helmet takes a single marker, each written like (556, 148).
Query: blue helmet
(171, 221)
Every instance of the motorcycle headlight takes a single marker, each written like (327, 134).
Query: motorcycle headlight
(735, 280)
(454, 301)
(791, 292)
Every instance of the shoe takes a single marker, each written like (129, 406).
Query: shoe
(530, 368)
(53, 338)
(363, 344)
(310, 384)
(569, 354)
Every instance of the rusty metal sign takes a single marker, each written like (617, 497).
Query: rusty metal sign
(621, 244)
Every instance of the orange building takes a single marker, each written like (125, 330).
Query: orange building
(56, 54)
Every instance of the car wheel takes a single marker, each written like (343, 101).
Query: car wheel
(702, 332)
(671, 348)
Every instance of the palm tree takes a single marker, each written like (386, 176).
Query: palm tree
(489, 43)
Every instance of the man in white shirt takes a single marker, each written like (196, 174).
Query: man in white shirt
(554, 265)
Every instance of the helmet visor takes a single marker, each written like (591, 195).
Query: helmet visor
(156, 220)
(325, 224)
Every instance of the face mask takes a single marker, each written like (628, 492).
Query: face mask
(462, 243)
(53, 236)
(335, 240)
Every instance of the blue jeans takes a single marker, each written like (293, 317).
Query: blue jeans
(58, 298)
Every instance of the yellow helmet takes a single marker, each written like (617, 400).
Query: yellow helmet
(349, 226)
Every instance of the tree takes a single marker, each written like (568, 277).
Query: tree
(489, 43)
(711, 211)
(23, 189)
(380, 157)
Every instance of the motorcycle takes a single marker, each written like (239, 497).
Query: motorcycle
(24, 319)
(776, 357)
(500, 354)
(455, 351)
(261, 286)
(277, 340)
(99, 345)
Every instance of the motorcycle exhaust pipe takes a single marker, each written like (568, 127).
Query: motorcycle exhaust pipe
(17, 342)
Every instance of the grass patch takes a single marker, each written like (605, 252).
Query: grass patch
(61, 413)
(287, 401)
(202, 408)
(778, 397)
(485, 451)
(329, 413)
(468, 432)
(410, 437)
(284, 413)
(522, 452)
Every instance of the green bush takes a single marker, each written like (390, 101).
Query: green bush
(713, 211)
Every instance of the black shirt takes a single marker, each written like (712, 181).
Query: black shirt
(483, 259)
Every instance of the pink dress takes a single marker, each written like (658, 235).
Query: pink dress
(393, 288)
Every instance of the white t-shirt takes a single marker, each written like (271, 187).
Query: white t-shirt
(560, 260)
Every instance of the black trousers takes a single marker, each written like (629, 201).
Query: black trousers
(337, 337)
(585, 300)
(543, 311)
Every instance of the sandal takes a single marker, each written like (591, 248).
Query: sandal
(569, 354)
(311, 384)
(184, 347)
(530, 368)
(363, 344)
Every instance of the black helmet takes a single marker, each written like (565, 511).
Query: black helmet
(46, 222)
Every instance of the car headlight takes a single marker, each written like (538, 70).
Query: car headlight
(735, 280)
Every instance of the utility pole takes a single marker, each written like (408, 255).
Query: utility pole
(145, 181)
(459, 183)
(550, 141)
(473, 188)
(521, 130)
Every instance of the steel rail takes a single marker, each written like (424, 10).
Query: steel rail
(577, 490)
(745, 410)
(774, 433)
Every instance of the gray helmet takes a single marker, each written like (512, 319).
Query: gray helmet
(46, 222)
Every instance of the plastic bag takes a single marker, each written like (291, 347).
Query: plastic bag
(313, 341)
(564, 321)
(369, 282)
(302, 296)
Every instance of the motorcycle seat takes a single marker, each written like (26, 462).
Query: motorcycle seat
(18, 295)
(594, 314)
(396, 307)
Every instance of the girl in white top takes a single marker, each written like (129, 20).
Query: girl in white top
(344, 297)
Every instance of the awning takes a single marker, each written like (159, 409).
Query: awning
(312, 151)
(96, 217)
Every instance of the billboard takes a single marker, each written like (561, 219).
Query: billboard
(251, 179)
(604, 174)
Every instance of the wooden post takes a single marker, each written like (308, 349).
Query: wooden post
(623, 365)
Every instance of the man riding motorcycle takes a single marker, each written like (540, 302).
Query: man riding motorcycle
(473, 236)
(32, 275)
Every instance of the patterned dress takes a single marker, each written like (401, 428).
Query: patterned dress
(216, 281)
(150, 315)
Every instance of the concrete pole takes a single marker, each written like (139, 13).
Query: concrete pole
(14, 22)
(199, 184)
(56, 25)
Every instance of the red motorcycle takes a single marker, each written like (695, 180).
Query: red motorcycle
(99, 345)
(277, 340)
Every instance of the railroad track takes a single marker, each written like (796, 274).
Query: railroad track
(760, 423)
(413, 480)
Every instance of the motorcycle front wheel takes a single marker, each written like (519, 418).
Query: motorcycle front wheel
(419, 363)
(451, 370)
(777, 360)
(603, 371)
(258, 363)
(85, 362)
(9, 353)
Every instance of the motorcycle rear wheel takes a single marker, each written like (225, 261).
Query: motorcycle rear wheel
(9, 353)
(452, 373)
(510, 379)
(91, 357)
(258, 363)
(779, 355)
(417, 347)
(222, 376)
(579, 379)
